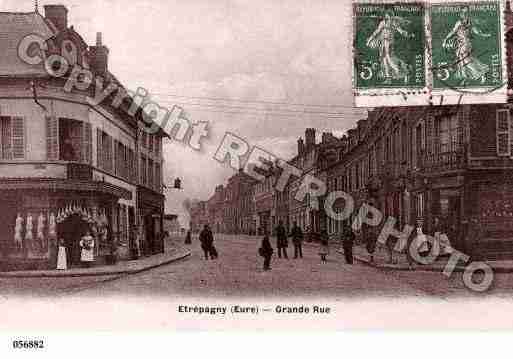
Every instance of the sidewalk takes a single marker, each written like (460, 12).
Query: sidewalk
(381, 261)
(122, 267)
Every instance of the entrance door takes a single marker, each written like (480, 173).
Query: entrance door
(72, 230)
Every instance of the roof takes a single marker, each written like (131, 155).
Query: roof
(13, 28)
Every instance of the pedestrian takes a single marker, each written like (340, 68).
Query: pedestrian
(297, 239)
(266, 251)
(62, 263)
(188, 239)
(207, 243)
(348, 238)
(87, 250)
(409, 249)
(324, 248)
(370, 242)
(281, 240)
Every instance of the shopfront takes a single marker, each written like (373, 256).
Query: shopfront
(151, 220)
(37, 213)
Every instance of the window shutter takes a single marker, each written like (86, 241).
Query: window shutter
(52, 138)
(99, 158)
(6, 150)
(18, 138)
(502, 130)
(116, 159)
(108, 154)
(87, 134)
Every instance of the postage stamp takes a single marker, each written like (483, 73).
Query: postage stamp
(467, 48)
(421, 53)
(389, 48)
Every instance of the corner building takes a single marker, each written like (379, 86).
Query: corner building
(67, 167)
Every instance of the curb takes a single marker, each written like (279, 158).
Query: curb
(417, 268)
(178, 257)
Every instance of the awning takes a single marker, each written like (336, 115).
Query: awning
(64, 185)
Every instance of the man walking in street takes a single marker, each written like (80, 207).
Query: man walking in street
(281, 240)
(297, 239)
(207, 242)
(348, 238)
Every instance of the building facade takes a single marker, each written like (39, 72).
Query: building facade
(67, 167)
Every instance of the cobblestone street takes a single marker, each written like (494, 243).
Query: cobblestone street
(238, 273)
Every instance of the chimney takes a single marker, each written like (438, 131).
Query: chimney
(58, 15)
(99, 59)
(309, 138)
(300, 146)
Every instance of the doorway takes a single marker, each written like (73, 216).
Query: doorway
(71, 230)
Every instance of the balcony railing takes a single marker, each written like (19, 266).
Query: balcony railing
(443, 161)
(80, 171)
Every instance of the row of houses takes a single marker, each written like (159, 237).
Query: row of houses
(426, 166)
(68, 167)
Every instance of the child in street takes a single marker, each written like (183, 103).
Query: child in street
(324, 250)
(266, 251)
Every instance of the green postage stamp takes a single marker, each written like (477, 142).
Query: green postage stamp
(428, 52)
(389, 46)
(466, 45)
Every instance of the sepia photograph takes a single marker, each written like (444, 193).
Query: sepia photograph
(193, 165)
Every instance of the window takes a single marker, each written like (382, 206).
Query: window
(105, 151)
(157, 145)
(143, 170)
(503, 127)
(158, 179)
(150, 143)
(144, 139)
(448, 136)
(12, 139)
(151, 182)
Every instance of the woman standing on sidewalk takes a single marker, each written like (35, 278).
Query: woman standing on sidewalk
(87, 250)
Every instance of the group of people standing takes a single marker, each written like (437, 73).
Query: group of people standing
(266, 251)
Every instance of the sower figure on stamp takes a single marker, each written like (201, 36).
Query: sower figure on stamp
(382, 39)
(266, 251)
(460, 39)
(281, 240)
(297, 239)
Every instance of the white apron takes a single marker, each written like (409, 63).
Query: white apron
(87, 255)
(62, 263)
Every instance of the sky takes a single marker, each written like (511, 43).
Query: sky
(249, 54)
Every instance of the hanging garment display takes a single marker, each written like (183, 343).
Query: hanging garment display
(41, 221)
(29, 236)
(52, 227)
(18, 229)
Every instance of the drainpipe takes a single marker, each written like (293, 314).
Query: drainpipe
(34, 94)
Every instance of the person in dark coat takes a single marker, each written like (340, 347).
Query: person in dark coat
(207, 242)
(348, 238)
(266, 251)
(281, 240)
(297, 239)
(370, 241)
(188, 239)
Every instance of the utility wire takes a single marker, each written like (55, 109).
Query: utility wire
(264, 110)
(251, 101)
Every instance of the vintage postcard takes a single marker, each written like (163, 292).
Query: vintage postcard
(223, 165)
